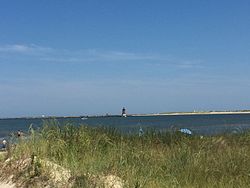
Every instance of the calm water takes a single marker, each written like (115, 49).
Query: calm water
(199, 124)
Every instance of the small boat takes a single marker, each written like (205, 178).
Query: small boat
(84, 118)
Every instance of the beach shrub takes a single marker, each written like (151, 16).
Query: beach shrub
(155, 159)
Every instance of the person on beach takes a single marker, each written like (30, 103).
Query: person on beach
(4, 142)
(141, 132)
(19, 133)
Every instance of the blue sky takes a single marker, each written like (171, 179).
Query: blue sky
(77, 57)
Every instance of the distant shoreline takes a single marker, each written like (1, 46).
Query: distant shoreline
(135, 115)
(194, 113)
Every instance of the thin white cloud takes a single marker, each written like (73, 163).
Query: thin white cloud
(24, 49)
(92, 55)
(47, 54)
(190, 64)
(117, 55)
(14, 48)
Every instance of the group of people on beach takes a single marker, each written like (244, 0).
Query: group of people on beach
(4, 143)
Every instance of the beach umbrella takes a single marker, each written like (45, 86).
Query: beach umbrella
(185, 131)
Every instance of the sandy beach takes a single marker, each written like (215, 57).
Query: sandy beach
(193, 113)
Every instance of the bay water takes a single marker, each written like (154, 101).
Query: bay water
(211, 124)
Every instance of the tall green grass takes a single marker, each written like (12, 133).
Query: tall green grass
(156, 159)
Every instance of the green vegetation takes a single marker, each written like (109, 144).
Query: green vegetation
(152, 160)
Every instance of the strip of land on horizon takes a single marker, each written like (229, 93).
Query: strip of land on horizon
(195, 113)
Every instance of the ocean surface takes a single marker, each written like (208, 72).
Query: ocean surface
(198, 124)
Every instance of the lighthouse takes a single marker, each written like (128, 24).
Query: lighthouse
(124, 112)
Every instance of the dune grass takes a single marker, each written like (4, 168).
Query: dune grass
(153, 160)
